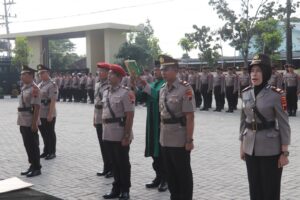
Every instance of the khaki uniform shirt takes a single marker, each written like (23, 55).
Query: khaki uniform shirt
(120, 103)
(75, 82)
(179, 102)
(269, 103)
(90, 84)
(30, 95)
(48, 90)
(99, 89)
(231, 80)
(292, 80)
(276, 80)
(219, 80)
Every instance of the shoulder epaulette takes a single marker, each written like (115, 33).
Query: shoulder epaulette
(247, 88)
(184, 83)
(277, 90)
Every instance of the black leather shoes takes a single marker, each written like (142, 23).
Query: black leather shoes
(50, 156)
(163, 186)
(109, 174)
(101, 173)
(33, 173)
(154, 184)
(124, 196)
(43, 155)
(26, 172)
(111, 195)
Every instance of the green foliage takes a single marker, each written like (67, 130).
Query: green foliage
(203, 39)
(268, 37)
(21, 53)
(61, 54)
(186, 45)
(239, 29)
(141, 46)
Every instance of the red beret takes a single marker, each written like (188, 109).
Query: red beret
(117, 69)
(103, 65)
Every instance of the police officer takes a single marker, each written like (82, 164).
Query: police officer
(28, 120)
(292, 87)
(219, 89)
(117, 116)
(276, 79)
(90, 85)
(264, 132)
(197, 91)
(100, 87)
(206, 88)
(244, 79)
(231, 89)
(49, 92)
(75, 87)
(177, 107)
(83, 88)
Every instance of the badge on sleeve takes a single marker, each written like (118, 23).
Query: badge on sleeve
(283, 103)
(131, 97)
(189, 94)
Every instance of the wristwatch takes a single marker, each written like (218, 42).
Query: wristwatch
(285, 153)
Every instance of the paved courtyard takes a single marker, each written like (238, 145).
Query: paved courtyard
(219, 174)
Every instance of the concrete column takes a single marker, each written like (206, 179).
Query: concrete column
(113, 40)
(35, 45)
(94, 49)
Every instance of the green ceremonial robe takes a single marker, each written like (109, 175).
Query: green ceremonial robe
(151, 95)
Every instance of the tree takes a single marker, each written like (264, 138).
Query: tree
(186, 45)
(240, 28)
(21, 53)
(268, 37)
(202, 39)
(61, 53)
(141, 46)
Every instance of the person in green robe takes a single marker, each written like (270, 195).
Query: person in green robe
(150, 93)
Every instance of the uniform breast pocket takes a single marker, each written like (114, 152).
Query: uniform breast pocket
(116, 102)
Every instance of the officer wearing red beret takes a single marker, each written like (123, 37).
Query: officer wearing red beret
(117, 116)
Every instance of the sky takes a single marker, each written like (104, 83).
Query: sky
(171, 19)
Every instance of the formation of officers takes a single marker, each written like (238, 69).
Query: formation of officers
(172, 96)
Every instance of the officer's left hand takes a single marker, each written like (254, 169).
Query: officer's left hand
(189, 146)
(283, 161)
(49, 118)
(125, 142)
(34, 128)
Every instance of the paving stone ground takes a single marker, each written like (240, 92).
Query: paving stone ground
(219, 174)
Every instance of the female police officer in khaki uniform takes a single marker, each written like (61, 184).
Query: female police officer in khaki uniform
(264, 132)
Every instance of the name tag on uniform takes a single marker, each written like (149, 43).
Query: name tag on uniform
(174, 98)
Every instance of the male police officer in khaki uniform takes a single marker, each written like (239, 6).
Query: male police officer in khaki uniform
(49, 92)
(264, 132)
(177, 107)
(117, 116)
(28, 120)
(100, 87)
(292, 87)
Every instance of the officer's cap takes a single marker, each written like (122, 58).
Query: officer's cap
(27, 69)
(167, 62)
(117, 69)
(42, 68)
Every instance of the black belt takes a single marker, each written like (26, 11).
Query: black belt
(26, 109)
(260, 126)
(45, 101)
(98, 107)
(179, 120)
(120, 120)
